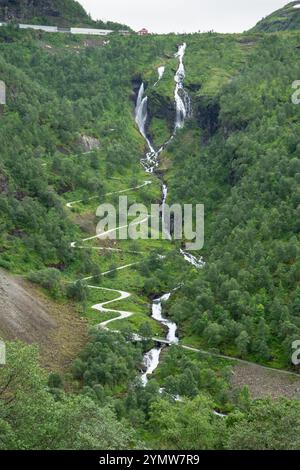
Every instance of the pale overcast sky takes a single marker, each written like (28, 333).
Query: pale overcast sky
(162, 16)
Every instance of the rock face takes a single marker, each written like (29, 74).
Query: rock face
(162, 108)
(3, 183)
(287, 18)
(88, 144)
(22, 316)
(207, 114)
(62, 12)
(29, 316)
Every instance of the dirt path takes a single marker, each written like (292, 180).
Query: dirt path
(242, 362)
(100, 307)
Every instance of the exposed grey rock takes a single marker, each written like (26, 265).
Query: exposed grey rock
(88, 143)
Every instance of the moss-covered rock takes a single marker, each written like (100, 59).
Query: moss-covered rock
(287, 18)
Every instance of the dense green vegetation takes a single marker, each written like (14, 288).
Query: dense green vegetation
(246, 299)
(61, 421)
(239, 155)
(89, 420)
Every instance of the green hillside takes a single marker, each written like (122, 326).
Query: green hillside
(50, 12)
(238, 154)
(285, 19)
(62, 11)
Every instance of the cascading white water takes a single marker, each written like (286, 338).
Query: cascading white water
(151, 359)
(139, 98)
(141, 117)
(141, 112)
(182, 99)
(183, 111)
(158, 316)
(165, 228)
(160, 71)
(198, 263)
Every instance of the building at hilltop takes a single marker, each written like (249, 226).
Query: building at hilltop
(143, 32)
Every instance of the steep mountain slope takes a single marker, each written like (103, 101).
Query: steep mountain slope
(238, 154)
(50, 12)
(246, 299)
(216, 160)
(285, 19)
(59, 11)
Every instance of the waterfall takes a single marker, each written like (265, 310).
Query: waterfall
(160, 71)
(140, 97)
(151, 359)
(150, 162)
(158, 316)
(141, 111)
(182, 98)
(198, 263)
(183, 110)
(165, 228)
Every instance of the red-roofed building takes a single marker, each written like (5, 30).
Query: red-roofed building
(143, 32)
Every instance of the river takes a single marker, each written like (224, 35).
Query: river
(151, 162)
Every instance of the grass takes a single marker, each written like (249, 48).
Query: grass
(159, 128)
(208, 50)
(208, 79)
(129, 279)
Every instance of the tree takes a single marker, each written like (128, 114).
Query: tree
(267, 425)
(145, 330)
(242, 342)
(189, 425)
(55, 380)
(96, 273)
(78, 291)
(214, 334)
(112, 271)
(48, 278)
(71, 422)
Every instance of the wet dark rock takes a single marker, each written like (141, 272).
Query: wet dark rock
(161, 107)
(3, 184)
(207, 111)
